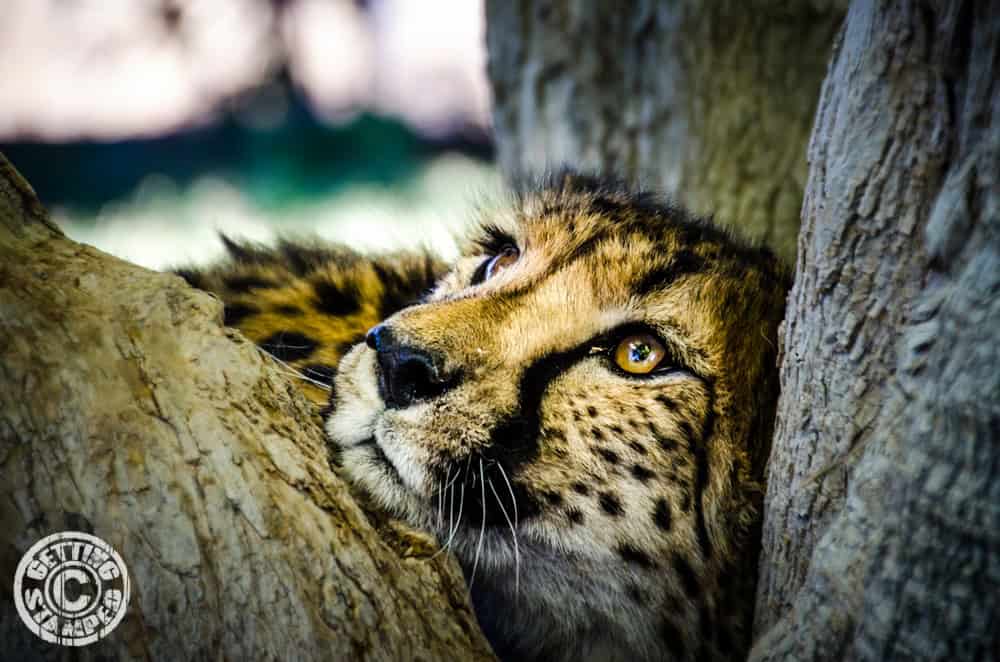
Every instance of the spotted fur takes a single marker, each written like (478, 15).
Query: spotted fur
(597, 514)
(308, 303)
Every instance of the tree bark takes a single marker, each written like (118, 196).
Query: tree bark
(883, 508)
(128, 411)
(710, 102)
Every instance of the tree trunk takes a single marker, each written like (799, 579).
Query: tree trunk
(711, 102)
(883, 507)
(129, 412)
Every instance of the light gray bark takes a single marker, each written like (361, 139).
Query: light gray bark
(882, 527)
(710, 102)
(128, 411)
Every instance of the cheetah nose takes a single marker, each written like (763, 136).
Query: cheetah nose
(406, 373)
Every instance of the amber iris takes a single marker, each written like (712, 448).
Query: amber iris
(639, 354)
(507, 256)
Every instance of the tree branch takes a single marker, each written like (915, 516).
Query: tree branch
(128, 411)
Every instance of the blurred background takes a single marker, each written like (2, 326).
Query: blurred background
(149, 126)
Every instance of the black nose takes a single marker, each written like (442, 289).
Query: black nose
(406, 373)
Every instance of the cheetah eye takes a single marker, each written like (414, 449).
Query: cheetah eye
(639, 353)
(505, 257)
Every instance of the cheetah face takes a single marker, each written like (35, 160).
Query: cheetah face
(592, 383)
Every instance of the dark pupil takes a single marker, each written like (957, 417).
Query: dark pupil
(639, 352)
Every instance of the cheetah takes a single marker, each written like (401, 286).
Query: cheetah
(580, 408)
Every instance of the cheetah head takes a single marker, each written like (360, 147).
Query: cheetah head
(581, 410)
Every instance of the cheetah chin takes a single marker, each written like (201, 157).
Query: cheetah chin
(581, 410)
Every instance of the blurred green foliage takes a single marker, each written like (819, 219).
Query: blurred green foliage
(298, 160)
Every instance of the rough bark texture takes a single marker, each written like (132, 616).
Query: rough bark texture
(882, 529)
(128, 411)
(711, 102)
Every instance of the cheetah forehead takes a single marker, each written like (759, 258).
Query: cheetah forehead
(596, 254)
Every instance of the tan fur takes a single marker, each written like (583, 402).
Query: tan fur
(597, 571)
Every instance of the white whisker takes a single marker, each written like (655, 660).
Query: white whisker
(440, 495)
(453, 529)
(510, 487)
(513, 533)
(292, 372)
(482, 528)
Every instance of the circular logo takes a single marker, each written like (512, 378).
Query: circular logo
(71, 588)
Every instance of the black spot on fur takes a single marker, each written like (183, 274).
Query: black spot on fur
(667, 444)
(556, 433)
(682, 263)
(632, 554)
(592, 411)
(288, 310)
(334, 300)
(609, 455)
(689, 580)
(674, 640)
(596, 432)
(666, 402)
(554, 498)
(289, 345)
(320, 372)
(575, 515)
(641, 473)
(611, 504)
(234, 313)
(243, 284)
(617, 429)
(635, 593)
(638, 448)
(580, 488)
(661, 515)
(686, 503)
